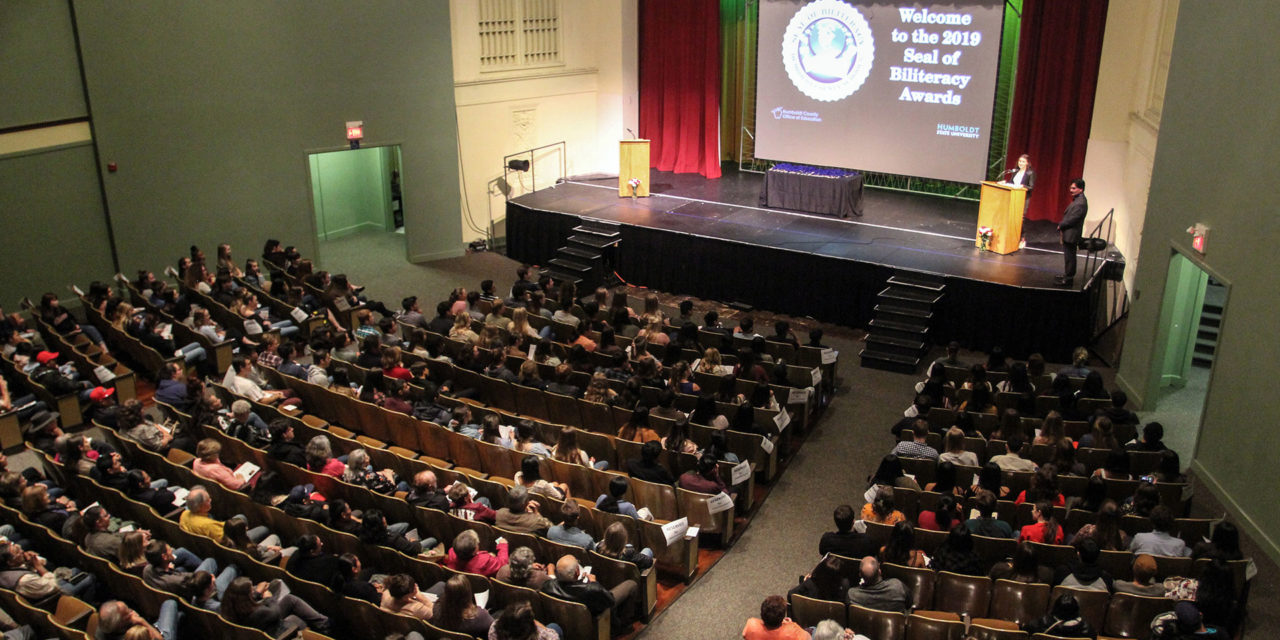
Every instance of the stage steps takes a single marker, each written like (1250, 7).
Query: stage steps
(898, 334)
(587, 258)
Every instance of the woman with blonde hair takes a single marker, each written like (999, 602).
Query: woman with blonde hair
(225, 261)
(615, 545)
(652, 311)
(653, 332)
(462, 329)
(520, 324)
(955, 452)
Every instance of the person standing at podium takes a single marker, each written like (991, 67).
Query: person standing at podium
(1023, 176)
(1070, 229)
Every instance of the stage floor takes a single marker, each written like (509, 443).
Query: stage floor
(899, 230)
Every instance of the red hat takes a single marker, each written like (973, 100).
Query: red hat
(99, 393)
(45, 357)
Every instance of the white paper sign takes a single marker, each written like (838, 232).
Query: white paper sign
(170, 271)
(782, 419)
(674, 531)
(507, 431)
(78, 291)
(121, 279)
(719, 502)
(341, 303)
(693, 532)
(103, 374)
(816, 374)
(252, 327)
(766, 444)
(797, 396)
(829, 356)
(298, 314)
(740, 473)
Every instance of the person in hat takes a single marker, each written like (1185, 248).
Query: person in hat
(58, 380)
(102, 407)
(44, 430)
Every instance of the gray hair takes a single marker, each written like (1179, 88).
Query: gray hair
(357, 460)
(828, 630)
(240, 407)
(318, 447)
(113, 617)
(197, 497)
(466, 544)
(520, 562)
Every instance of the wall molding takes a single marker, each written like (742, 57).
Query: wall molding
(42, 139)
(437, 255)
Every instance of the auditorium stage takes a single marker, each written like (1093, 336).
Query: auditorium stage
(711, 238)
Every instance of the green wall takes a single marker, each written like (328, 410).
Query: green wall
(351, 191)
(1215, 163)
(54, 231)
(211, 109)
(38, 68)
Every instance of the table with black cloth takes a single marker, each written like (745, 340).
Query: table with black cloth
(835, 192)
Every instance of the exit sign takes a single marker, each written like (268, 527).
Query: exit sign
(1199, 234)
(355, 130)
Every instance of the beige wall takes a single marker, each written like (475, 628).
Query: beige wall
(1126, 118)
(1215, 164)
(588, 101)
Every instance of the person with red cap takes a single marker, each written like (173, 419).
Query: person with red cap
(59, 381)
(102, 407)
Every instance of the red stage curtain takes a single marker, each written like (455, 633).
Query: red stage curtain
(1059, 49)
(680, 84)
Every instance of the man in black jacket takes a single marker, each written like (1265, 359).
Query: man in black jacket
(1070, 229)
(647, 467)
(570, 585)
(426, 494)
(283, 447)
(844, 541)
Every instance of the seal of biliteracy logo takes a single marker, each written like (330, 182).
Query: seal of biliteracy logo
(827, 50)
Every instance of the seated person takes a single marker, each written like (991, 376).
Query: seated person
(258, 606)
(773, 623)
(647, 467)
(823, 583)
(457, 610)
(874, 591)
(466, 555)
(1012, 461)
(705, 479)
(425, 493)
(400, 594)
(615, 545)
(208, 465)
(463, 505)
(521, 514)
(986, 524)
(1160, 541)
(569, 585)
(116, 620)
(845, 541)
(1084, 573)
(25, 573)
(568, 532)
(523, 570)
(916, 447)
(613, 502)
(1063, 621)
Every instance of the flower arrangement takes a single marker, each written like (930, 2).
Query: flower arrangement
(984, 236)
(635, 186)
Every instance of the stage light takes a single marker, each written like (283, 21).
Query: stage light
(518, 165)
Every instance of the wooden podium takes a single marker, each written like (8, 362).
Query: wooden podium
(633, 162)
(1001, 209)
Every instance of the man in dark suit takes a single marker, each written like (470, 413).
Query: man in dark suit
(844, 541)
(1070, 229)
